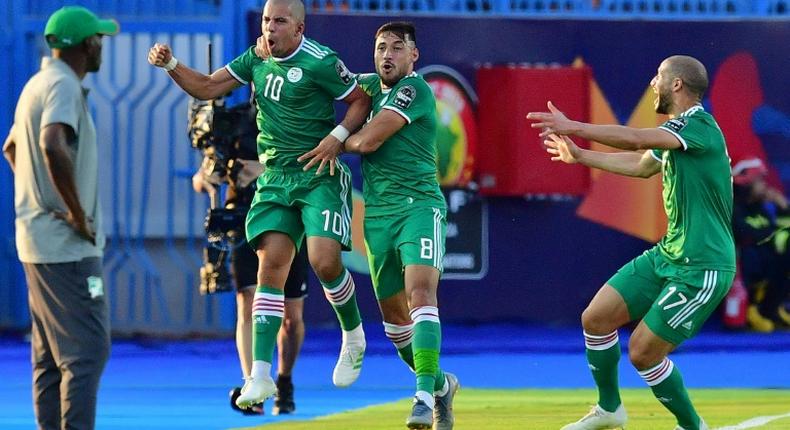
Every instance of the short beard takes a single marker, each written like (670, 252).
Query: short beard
(387, 82)
(663, 104)
(390, 83)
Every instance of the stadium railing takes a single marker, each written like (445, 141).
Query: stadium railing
(657, 9)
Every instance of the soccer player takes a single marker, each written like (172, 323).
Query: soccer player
(673, 287)
(405, 216)
(244, 268)
(294, 89)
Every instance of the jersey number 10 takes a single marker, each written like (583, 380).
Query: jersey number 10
(274, 84)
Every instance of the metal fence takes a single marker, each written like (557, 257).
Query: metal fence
(152, 216)
(603, 9)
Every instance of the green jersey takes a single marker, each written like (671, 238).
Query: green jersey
(697, 194)
(402, 173)
(295, 97)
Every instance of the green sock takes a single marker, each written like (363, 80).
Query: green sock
(342, 296)
(427, 342)
(401, 337)
(603, 356)
(267, 316)
(407, 355)
(667, 385)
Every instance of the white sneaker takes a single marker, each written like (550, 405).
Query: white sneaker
(349, 364)
(256, 391)
(598, 419)
(702, 426)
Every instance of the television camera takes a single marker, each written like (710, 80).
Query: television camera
(224, 136)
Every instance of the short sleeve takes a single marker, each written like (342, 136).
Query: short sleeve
(412, 99)
(63, 104)
(241, 67)
(368, 82)
(334, 77)
(657, 154)
(689, 131)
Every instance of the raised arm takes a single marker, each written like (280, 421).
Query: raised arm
(633, 164)
(9, 149)
(196, 84)
(616, 136)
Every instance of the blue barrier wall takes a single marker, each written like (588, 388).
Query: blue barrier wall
(152, 217)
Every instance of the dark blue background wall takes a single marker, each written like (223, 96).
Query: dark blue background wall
(545, 262)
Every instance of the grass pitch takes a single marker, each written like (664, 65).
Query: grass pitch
(551, 409)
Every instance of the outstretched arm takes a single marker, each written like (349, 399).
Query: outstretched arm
(634, 164)
(616, 136)
(196, 84)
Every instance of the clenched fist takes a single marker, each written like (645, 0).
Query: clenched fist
(159, 55)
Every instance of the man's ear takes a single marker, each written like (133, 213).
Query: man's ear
(415, 54)
(677, 84)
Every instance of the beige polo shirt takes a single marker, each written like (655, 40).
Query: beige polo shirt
(53, 95)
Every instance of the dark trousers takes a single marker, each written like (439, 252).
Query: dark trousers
(70, 341)
(763, 263)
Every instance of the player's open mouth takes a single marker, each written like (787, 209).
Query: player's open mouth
(387, 67)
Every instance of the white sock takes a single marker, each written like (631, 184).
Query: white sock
(425, 397)
(261, 369)
(356, 335)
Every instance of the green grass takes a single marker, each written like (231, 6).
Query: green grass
(551, 409)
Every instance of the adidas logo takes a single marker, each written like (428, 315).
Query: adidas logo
(664, 399)
(593, 368)
(260, 319)
(687, 325)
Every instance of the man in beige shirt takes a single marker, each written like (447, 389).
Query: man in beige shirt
(53, 153)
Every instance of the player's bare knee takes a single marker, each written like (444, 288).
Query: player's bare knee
(596, 322)
(289, 324)
(642, 356)
(327, 271)
(422, 297)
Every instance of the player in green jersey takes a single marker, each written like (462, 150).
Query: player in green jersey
(294, 88)
(675, 286)
(405, 216)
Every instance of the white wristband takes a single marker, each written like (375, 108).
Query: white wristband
(170, 64)
(340, 133)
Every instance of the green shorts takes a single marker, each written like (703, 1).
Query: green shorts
(300, 203)
(674, 301)
(396, 241)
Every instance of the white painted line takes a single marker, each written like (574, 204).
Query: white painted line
(755, 422)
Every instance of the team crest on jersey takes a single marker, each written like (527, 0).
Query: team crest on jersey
(294, 74)
(676, 124)
(405, 96)
(343, 73)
